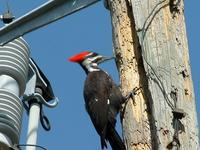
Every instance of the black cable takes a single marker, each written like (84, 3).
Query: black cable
(44, 120)
(26, 106)
(30, 145)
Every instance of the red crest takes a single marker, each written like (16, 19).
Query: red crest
(79, 57)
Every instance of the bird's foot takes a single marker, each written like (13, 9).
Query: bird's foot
(131, 95)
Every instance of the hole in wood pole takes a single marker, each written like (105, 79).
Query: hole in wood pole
(178, 42)
(164, 131)
(186, 91)
(184, 73)
(122, 71)
(173, 94)
(119, 59)
(174, 6)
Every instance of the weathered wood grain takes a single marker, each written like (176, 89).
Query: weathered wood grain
(164, 42)
(136, 127)
(150, 44)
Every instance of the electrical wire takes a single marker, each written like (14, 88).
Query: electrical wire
(30, 145)
(144, 30)
(7, 6)
(44, 120)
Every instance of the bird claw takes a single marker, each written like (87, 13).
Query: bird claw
(132, 95)
(126, 99)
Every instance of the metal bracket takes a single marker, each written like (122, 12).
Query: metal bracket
(38, 80)
(40, 99)
(39, 92)
(48, 12)
(178, 113)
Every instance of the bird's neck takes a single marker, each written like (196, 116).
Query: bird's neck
(90, 67)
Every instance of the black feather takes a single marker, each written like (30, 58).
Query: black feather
(114, 139)
(103, 100)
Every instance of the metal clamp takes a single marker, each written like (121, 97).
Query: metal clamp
(41, 100)
(37, 80)
(39, 92)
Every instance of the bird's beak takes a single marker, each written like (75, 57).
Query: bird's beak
(105, 58)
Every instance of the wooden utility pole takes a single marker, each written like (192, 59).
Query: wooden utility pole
(150, 45)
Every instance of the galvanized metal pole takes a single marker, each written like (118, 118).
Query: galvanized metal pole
(34, 117)
(38, 93)
(47, 13)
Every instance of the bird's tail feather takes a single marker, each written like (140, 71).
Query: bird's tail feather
(103, 143)
(114, 139)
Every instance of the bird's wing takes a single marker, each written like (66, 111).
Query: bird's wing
(96, 94)
(116, 99)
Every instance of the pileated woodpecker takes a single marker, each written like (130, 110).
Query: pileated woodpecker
(103, 98)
